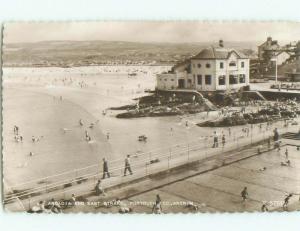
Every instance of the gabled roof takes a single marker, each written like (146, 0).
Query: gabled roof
(184, 62)
(218, 53)
(280, 52)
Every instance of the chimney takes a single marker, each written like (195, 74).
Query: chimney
(269, 41)
(221, 44)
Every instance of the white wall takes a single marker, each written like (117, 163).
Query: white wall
(203, 70)
(282, 57)
(232, 70)
(170, 81)
(166, 81)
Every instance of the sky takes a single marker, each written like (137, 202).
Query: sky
(152, 31)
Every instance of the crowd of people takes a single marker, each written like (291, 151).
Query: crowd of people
(218, 140)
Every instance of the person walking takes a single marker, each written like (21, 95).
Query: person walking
(286, 200)
(127, 165)
(157, 208)
(264, 207)
(215, 145)
(276, 139)
(244, 194)
(276, 135)
(223, 140)
(286, 154)
(98, 188)
(105, 169)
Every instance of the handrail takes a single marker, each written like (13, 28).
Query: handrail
(140, 162)
(56, 184)
(95, 165)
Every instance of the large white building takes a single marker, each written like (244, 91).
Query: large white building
(213, 69)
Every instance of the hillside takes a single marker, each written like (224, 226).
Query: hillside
(78, 53)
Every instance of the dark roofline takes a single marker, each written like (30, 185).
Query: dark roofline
(215, 55)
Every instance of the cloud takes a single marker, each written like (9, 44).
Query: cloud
(155, 31)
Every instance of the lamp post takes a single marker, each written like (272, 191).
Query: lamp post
(275, 59)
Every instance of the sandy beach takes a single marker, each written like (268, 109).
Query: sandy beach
(53, 101)
(35, 93)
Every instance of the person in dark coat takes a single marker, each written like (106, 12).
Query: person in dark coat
(127, 165)
(286, 200)
(105, 169)
(157, 208)
(244, 194)
(276, 135)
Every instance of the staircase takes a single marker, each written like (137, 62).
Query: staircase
(207, 102)
(256, 95)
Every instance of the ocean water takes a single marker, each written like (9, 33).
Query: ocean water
(31, 100)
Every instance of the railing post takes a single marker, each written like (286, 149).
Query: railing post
(29, 202)
(206, 141)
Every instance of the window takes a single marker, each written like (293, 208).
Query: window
(199, 79)
(165, 79)
(189, 81)
(189, 69)
(242, 64)
(233, 79)
(232, 64)
(221, 65)
(242, 78)
(222, 80)
(208, 79)
(207, 65)
(172, 79)
(199, 65)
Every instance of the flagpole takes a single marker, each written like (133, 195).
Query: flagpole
(276, 70)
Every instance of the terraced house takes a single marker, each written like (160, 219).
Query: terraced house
(213, 69)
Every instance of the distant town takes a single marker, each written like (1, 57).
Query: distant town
(71, 54)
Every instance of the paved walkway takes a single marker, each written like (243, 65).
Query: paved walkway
(217, 189)
(205, 155)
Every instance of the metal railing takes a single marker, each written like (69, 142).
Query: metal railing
(83, 180)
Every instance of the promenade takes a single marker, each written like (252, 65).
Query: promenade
(169, 160)
(213, 188)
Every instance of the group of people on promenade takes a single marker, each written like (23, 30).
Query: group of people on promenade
(264, 207)
(106, 172)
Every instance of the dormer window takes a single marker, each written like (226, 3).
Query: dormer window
(232, 64)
